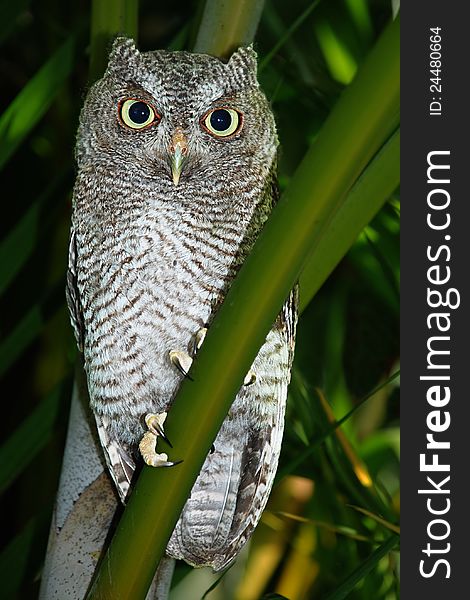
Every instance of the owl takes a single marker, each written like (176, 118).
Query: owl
(176, 156)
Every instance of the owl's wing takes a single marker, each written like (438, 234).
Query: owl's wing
(262, 450)
(71, 293)
(118, 459)
(120, 464)
(287, 320)
(233, 487)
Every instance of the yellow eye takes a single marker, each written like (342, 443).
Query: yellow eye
(137, 114)
(222, 122)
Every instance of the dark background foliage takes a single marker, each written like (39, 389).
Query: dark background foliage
(348, 335)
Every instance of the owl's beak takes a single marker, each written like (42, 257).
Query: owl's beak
(178, 149)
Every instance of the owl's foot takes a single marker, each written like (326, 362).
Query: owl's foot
(250, 378)
(182, 361)
(199, 339)
(148, 443)
(155, 425)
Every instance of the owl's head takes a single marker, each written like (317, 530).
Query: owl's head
(178, 118)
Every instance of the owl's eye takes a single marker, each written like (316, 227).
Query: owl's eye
(222, 122)
(137, 114)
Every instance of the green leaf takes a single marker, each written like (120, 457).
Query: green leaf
(214, 585)
(15, 558)
(30, 326)
(20, 558)
(20, 242)
(32, 102)
(301, 457)
(377, 519)
(344, 589)
(10, 12)
(30, 437)
(287, 35)
(377, 182)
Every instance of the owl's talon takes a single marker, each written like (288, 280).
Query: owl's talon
(155, 425)
(182, 362)
(148, 443)
(199, 339)
(147, 448)
(250, 378)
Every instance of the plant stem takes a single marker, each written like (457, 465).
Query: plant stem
(227, 24)
(109, 18)
(287, 35)
(375, 185)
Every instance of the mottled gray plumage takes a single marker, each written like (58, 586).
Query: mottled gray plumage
(151, 261)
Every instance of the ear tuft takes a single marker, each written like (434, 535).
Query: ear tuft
(123, 53)
(244, 61)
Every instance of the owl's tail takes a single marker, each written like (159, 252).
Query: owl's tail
(160, 588)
